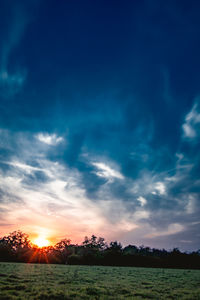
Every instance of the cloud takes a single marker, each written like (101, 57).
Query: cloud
(142, 200)
(49, 139)
(26, 168)
(106, 171)
(60, 190)
(38, 204)
(93, 195)
(160, 187)
(147, 183)
(172, 229)
(190, 207)
(191, 125)
(189, 131)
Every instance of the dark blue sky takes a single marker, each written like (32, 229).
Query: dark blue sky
(100, 120)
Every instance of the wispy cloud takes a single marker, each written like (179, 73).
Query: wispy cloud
(47, 192)
(104, 170)
(42, 191)
(191, 125)
(172, 229)
(49, 139)
(142, 200)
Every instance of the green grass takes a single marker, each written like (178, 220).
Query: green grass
(34, 281)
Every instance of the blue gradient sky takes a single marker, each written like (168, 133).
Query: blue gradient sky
(100, 120)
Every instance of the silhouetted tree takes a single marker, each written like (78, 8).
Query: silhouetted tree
(63, 244)
(64, 250)
(17, 240)
(18, 244)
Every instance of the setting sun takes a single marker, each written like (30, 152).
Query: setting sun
(41, 242)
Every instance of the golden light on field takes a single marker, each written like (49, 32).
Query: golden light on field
(41, 242)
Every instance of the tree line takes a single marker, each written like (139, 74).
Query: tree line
(17, 247)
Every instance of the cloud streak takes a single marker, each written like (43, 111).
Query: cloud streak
(106, 171)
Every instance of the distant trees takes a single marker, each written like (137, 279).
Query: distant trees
(94, 251)
(63, 244)
(64, 249)
(94, 242)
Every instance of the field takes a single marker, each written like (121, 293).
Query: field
(34, 281)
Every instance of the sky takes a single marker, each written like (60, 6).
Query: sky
(100, 120)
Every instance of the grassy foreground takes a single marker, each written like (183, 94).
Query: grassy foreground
(34, 281)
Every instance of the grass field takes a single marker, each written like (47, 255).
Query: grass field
(34, 281)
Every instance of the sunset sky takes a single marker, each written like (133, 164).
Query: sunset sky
(100, 120)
